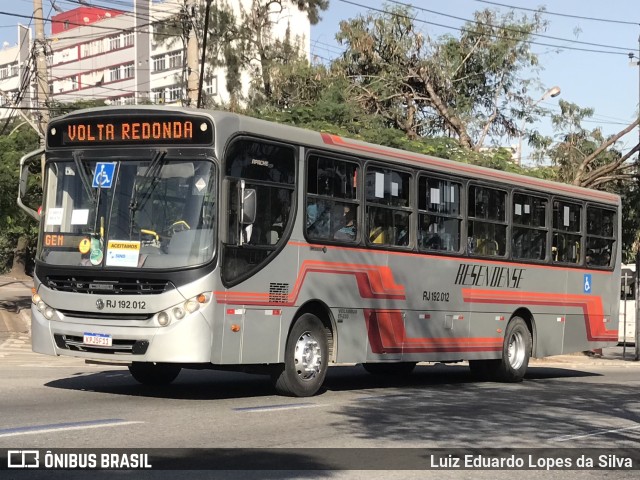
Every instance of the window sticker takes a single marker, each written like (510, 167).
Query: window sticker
(453, 194)
(54, 216)
(201, 184)
(103, 176)
(379, 187)
(566, 216)
(518, 209)
(123, 253)
(80, 216)
(434, 195)
(527, 208)
(394, 189)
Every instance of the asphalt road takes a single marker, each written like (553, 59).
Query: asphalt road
(50, 402)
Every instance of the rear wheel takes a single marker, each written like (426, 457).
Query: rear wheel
(390, 369)
(154, 373)
(305, 359)
(516, 351)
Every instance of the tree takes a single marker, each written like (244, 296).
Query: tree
(472, 88)
(18, 232)
(584, 157)
(241, 38)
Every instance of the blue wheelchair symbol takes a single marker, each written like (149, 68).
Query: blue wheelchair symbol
(103, 176)
(587, 283)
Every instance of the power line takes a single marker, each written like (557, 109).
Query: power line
(579, 17)
(509, 29)
(530, 42)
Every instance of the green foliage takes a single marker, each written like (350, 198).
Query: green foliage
(58, 109)
(14, 223)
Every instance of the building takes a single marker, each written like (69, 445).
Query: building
(114, 55)
(96, 53)
(15, 65)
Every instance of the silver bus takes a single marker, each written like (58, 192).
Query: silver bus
(181, 238)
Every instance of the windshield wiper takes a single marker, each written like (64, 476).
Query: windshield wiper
(154, 168)
(84, 178)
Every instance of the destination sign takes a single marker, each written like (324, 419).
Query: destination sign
(128, 130)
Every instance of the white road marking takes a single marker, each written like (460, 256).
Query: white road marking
(14, 432)
(600, 432)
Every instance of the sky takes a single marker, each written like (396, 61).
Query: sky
(588, 77)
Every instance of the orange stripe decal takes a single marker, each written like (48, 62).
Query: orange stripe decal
(387, 334)
(373, 282)
(592, 308)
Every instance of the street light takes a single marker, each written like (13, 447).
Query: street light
(552, 92)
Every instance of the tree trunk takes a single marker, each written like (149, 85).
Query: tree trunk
(18, 270)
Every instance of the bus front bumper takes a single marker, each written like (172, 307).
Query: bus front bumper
(186, 341)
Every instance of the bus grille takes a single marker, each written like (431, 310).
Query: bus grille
(106, 316)
(126, 347)
(108, 286)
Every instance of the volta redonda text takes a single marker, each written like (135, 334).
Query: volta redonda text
(127, 131)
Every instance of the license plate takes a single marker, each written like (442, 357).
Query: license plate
(100, 339)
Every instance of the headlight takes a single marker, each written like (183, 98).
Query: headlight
(179, 313)
(163, 319)
(191, 306)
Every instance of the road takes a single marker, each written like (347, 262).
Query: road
(48, 402)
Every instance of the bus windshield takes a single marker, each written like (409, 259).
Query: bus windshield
(151, 213)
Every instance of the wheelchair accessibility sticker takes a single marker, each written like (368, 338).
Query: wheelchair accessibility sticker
(587, 283)
(103, 176)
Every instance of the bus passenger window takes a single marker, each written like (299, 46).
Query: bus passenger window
(332, 200)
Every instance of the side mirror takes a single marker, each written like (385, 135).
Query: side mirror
(24, 181)
(249, 206)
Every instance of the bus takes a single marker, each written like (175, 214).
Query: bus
(627, 323)
(189, 239)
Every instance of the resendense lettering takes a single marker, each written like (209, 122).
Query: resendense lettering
(103, 132)
(473, 275)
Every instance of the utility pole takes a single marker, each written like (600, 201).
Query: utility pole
(42, 77)
(192, 55)
(637, 352)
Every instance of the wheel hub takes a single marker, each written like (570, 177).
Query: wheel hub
(516, 350)
(308, 356)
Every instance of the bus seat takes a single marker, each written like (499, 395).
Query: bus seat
(378, 236)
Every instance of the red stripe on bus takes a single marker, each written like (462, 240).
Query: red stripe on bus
(373, 281)
(387, 334)
(592, 308)
(338, 141)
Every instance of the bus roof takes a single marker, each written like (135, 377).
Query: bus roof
(326, 141)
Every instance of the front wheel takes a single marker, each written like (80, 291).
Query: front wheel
(154, 373)
(305, 359)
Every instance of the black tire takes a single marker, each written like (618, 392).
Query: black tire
(305, 359)
(400, 369)
(516, 351)
(154, 373)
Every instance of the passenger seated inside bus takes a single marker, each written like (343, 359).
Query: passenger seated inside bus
(318, 219)
(348, 229)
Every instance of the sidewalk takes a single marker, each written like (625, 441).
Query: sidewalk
(611, 356)
(15, 305)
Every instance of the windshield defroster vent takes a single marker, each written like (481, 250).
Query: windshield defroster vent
(108, 286)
